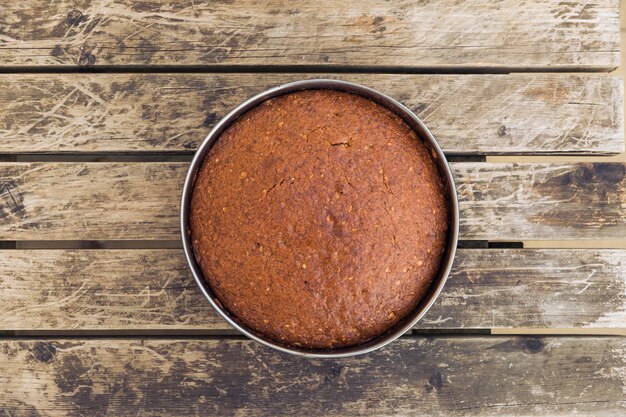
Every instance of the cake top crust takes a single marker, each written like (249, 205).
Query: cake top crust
(319, 219)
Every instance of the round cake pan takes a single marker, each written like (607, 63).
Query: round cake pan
(422, 131)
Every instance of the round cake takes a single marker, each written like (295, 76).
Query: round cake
(319, 219)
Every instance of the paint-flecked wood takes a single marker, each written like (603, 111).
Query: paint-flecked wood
(469, 114)
(153, 289)
(397, 33)
(498, 201)
(425, 376)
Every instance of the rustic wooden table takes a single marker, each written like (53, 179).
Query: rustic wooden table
(102, 104)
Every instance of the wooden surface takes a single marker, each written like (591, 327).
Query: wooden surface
(541, 201)
(398, 33)
(140, 200)
(90, 200)
(212, 55)
(153, 289)
(423, 376)
(468, 114)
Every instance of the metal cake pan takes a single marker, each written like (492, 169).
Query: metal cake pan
(422, 131)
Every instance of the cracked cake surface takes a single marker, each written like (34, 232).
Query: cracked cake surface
(319, 219)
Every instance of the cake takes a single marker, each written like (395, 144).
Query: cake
(319, 219)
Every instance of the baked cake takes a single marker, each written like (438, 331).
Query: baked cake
(319, 219)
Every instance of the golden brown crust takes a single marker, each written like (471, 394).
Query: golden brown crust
(319, 219)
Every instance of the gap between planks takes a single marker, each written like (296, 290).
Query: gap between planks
(176, 244)
(521, 331)
(195, 333)
(303, 69)
(234, 334)
(153, 157)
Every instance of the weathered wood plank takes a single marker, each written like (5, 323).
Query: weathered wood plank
(469, 114)
(90, 201)
(498, 201)
(399, 33)
(541, 201)
(507, 288)
(425, 376)
(153, 289)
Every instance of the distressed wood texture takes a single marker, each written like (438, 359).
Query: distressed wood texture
(498, 201)
(468, 114)
(153, 289)
(399, 33)
(425, 376)
(541, 201)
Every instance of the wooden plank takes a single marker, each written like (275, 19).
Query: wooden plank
(425, 376)
(498, 201)
(154, 290)
(506, 288)
(541, 201)
(90, 201)
(400, 33)
(468, 114)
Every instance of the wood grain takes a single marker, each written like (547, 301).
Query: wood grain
(468, 114)
(541, 201)
(90, 201)
(498, 201)
(545, 34)
(425, 376)
(153, 289)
